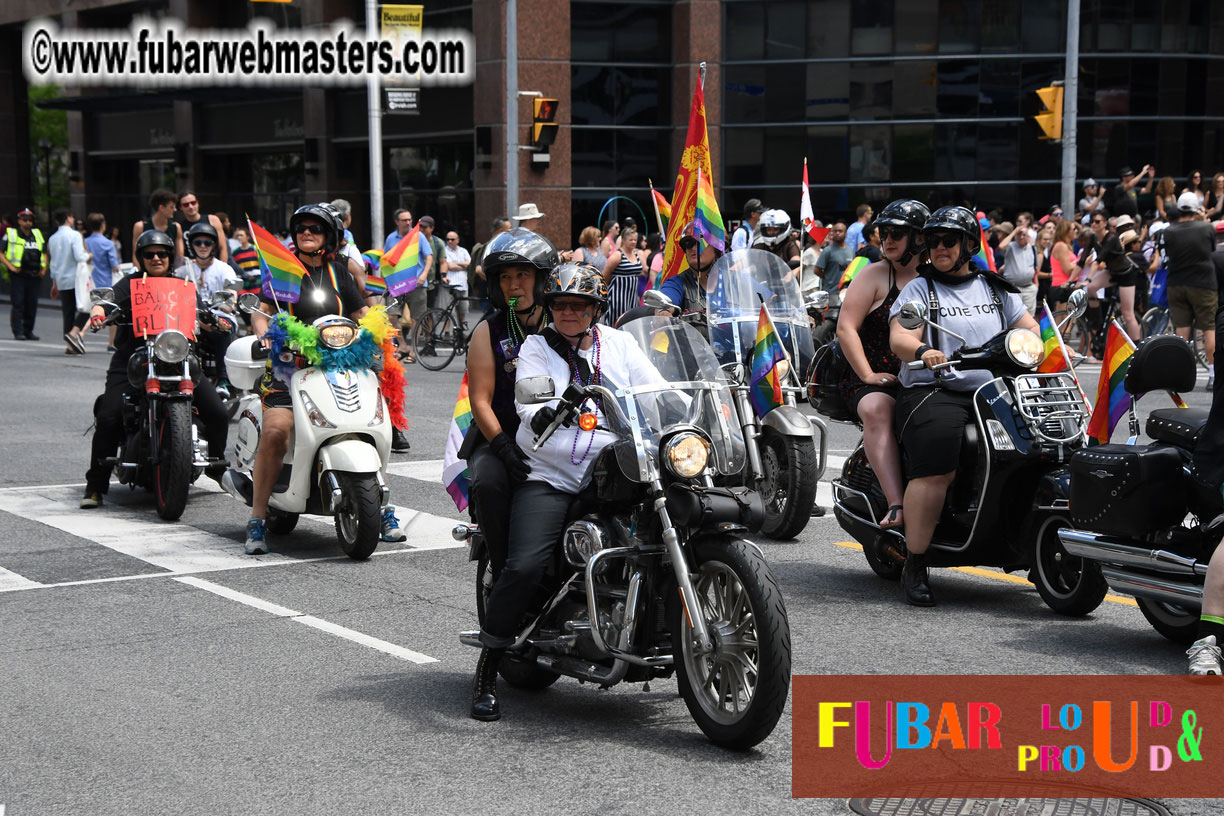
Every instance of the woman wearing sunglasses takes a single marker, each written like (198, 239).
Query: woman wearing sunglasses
(870, 387)
(934, 408)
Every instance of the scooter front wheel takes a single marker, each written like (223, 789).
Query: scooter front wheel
(1068, 584)
(359, 520)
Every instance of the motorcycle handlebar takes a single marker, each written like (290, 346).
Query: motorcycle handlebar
(918, 365)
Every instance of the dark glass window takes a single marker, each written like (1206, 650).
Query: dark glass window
(828, 154)
(1001, 26)
(742, 151)
(1042, 26)
(743, 31)
(828, 90)
(870, 153)
(959, 26)
(916, 27)
(996, 152)
(592, 162)
(956, 151)
(784, 29)
(642, 154)
(1145, 28)
(620, 95)
(783, 92)
(620, 32)
(871, 27)
(1000, 92)
(744, 93)
(1113, 25)
(783, 157)
(871, 90)
(1144, 85)
(913, 152)
(959, 86)
(914, 88)
(828, 28)
(1173, 28)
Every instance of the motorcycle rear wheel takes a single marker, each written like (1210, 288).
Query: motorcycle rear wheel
(737, 693)
(1175, 622)
(788, 488)
(516, 671)
(359, 523)
(172, 473)
(1068, 584)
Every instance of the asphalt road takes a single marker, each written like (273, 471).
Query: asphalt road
(152, 668)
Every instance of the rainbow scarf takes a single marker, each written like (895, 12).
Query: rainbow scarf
(282, 271)
(766, 386)
(852, 269)
(455, 476)
(1112, 400)
(401, 267)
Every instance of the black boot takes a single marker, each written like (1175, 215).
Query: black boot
(914, 579)
(484, 687)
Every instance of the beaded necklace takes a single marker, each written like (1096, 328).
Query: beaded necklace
(596, 377)
(513, 327)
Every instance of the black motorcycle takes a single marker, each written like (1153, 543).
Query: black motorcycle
(1011, 493)
(1142, 516)
(652, 576)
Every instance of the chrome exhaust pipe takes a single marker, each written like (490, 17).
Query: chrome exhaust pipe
(1154, 588)
(1122, 553)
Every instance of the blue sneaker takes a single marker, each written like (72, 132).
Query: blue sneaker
(257, 537)
(390, 525)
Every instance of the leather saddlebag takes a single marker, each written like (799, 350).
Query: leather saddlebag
(1127, 489)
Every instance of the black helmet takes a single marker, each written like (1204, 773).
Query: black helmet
(518, 247)
(905, 212)
(957, 219)
(200, 228)
(579, 280)
(328, 215)
(152, 238)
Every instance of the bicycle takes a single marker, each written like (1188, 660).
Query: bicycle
(1156, 321)
(437, 335)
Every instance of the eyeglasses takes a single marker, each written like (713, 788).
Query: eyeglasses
(313, 229)
(203, 242)
(575, 306)
(156, 255)
(893, 233)
(945, 239)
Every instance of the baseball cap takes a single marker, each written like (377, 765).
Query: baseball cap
(1089, 182)
(426, 221)
(1187, 202)
(1123, 221)
(1126, 171)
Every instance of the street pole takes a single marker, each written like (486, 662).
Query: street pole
(374, 105)
(1070, 106)
(512, 148)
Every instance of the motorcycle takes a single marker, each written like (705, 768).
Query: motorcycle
(821, 317)
(163, 450)
(340, 444)
(1011, 493)
(1141, 515)
(652, 576)
(222, 320)
(786, 448)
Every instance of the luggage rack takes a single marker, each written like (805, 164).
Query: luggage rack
(1053, 406)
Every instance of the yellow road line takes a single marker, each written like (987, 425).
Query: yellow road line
(994, 575)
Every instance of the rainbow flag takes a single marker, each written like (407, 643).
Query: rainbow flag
(765, 385)
(455, 476)
(1112, 400)
(281, 270)
(985, 256)
(854, 267)
(372, 259)
(374, 285)
(709, 219)
(1055, 357)
(402, 265)
(661, 203)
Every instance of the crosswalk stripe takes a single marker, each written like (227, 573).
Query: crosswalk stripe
(11, 580)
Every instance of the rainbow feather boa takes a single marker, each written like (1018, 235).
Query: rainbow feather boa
(372, 347)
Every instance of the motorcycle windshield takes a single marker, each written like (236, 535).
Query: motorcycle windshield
(692, 393)
(739, 283)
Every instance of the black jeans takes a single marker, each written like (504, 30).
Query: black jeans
(490, 493)
(537, 519)
(23, 293)
(109, 431)
(68, 305)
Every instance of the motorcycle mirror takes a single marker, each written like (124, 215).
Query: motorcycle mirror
(101, 295)
(818, 300)
(534, 390)
(734, 371)
(1077, 303)
(658, 301)
(913, 315)
(224, 297)
(248, 302)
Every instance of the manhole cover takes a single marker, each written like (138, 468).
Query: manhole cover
(1007, 807)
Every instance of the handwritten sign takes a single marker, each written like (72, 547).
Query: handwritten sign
(159, 304)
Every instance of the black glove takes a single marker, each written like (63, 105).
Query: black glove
(512, 457)
(542, 419)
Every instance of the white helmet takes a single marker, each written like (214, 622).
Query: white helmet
(774, 227)
(1187, 202)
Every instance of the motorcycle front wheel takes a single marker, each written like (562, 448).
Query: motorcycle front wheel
(735, 693)
(1178, 623)
(359, 522)
(1068, 584)
(788, 484)
(517, 671)
(172, 474)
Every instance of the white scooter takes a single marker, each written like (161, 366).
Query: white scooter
(339, 448)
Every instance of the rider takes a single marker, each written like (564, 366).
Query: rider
(1112, 267)
(154, 256)
(326, 289)
(573, 349)
(775, 235)
(933, 408)
(870, 386)
(688, 289)
(517, 264)
(210, 276)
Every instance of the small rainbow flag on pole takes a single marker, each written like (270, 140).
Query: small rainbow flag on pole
(852, 269)
(985, 255)
(455, 476)
(374, 285)
(1112, 400)
(709, 219)
(282, 271)
(661, 203)
(402, 265)
(765, 385)
(1055, 356)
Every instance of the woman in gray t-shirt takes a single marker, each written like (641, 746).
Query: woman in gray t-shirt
(933, 408)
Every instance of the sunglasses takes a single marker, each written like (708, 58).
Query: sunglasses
(189, 204)
(893, 233)
(687, 243)
(313, 229)
(452, 239)
(945, 239)
(576, 306)
(1098, 221)
(156, 255)
(203, 242)
(1057, 213)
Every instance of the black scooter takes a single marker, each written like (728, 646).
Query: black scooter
(1011, 492)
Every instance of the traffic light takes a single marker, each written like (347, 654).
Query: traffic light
(543, 122)
(1050, 119)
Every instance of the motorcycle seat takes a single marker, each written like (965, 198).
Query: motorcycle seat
(1177, 426)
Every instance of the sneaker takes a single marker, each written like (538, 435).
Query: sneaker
(94, 499)
(390, 525)
(76, 341)
(1204, 656)
(257, 537)
(32, 336)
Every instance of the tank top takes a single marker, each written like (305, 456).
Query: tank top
(628, 267)
(505, 362)
(1058, 275)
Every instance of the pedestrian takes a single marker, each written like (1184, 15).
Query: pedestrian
(809, 278)
(245, 259)
(1020, 264)
(478, 282)
(588, 250)
(65, 251)
(458, 260)
(438, 250)
(1111, 267)
(227, 231)
(1195, 184)
(1094, 197)
(871, 244)
(1045, 244)
(625, 267)
(24, 252)
(162, 206)
(654, 257)
(348, 246)
(834, 260)
(104, 251)
(114, 239)
(1166, 197)
(1125, 199)
(854, 235)
(190, 214)
(611, 236)
(1188, 246)
(528, 217)
(742, 237)
(413, 303)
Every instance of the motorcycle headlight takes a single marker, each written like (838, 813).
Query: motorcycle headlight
(338, 335)
(783, 369)
(1025, 348)
(686, 455)
(171, 346)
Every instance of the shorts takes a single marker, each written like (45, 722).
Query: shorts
(865, 390)
(273, 391)
(415, 302)
(1128, 278)
(930, 426)
(1192, 306)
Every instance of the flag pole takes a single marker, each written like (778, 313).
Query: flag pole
(1045, 304)
(262, 263)
(655, 204)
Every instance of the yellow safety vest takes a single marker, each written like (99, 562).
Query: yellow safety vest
(16, 246)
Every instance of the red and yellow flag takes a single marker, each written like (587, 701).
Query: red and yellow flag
(694, 160)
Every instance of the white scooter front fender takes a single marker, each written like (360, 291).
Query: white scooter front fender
(349, 456)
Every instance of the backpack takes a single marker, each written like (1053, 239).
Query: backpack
(828, 369)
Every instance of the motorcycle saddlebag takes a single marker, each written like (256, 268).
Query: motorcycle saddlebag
(1127, 489)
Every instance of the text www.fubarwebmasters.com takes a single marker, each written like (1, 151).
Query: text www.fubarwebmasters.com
(164, 53)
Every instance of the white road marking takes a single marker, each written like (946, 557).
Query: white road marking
(426, 470)
(308, 620)
(11, 580)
